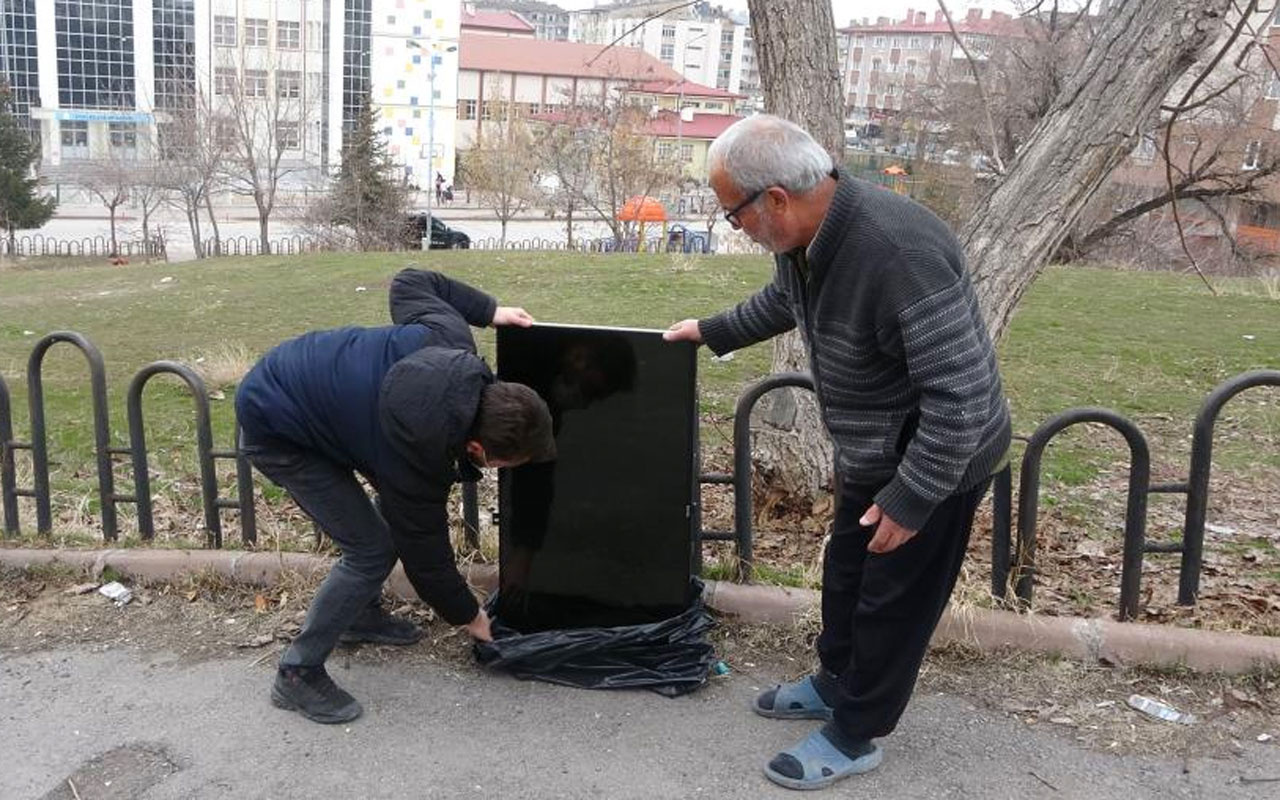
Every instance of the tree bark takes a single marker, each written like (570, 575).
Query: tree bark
(1143, 48)
(800, 76)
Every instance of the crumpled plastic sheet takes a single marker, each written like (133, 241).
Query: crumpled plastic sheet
(671, 657)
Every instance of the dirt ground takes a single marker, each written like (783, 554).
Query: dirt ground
(205, 617)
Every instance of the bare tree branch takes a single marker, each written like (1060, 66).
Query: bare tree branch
(977, 78)
(1173, 118)
(639, 25)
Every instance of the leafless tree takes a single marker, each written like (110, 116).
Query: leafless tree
(109, 180)
(266, 118)
(501, 166)
(191, 150)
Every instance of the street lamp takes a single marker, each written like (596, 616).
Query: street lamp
(429, 48)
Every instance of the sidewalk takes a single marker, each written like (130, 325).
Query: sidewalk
(1090, 640)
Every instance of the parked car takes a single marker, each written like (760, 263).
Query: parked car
(442, 236)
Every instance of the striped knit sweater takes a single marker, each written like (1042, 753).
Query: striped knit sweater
(904, 370)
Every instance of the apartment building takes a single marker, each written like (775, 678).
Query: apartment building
(705, 45)
(883, 61)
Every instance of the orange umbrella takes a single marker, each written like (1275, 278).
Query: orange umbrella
(642, 209)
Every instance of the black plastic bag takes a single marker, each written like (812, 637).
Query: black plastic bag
(671, 657)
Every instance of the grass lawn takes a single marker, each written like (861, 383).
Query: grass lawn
(1149, 345)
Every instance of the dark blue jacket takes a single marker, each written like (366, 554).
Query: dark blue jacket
(394, 404)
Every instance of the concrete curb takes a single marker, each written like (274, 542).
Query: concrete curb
(1093, 640)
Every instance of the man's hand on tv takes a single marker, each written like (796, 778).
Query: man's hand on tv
(512, 315)
(685, 330)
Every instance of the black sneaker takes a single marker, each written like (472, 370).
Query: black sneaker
(378, 627)
(313, 694)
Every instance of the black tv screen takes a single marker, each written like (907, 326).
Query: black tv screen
(602, 535)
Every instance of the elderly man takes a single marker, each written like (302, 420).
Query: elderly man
(906, 377)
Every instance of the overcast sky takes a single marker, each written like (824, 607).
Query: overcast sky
(845, 10)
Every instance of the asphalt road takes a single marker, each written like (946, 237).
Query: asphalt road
(124, 723)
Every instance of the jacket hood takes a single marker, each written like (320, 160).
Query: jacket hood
(427, 404)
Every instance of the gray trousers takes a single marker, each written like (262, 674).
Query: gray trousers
(330, 495)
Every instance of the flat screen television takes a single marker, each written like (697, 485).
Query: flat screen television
(603, 535)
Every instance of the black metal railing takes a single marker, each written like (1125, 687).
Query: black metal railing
(1008, 566)
(38, 244)
(104, 451)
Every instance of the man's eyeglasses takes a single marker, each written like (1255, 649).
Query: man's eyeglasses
(731, 216)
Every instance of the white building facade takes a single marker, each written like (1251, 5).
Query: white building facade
(713, 50)
(100, 78)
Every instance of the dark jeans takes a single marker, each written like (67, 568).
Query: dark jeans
(879, 610)
(330, 495)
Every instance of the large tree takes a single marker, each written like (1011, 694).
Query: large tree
(1095, 118)
(21, 205)
(369, 199)
(800, 76)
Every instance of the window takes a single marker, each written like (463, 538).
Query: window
(668, 53)
(1273, 87)
(911, 66)
(665, 149)
(124, 135)
(288, 35)
(255, 32)
(75, 134)
(224, 80)
(913, 43)
(224, 134)
(289, 135)
(877, 41)
(95, 52)
(255, 83)
(466, 109)
(876, 65)
(686, 152)
(289, 84)
(486, 111)
(936, 44)
(224, 31)
(173, 29)
(668, 31)
(1252, 155)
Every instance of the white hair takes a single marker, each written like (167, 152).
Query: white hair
(765, 150)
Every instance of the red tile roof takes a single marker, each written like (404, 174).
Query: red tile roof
(683, 87)
(569, 59)
(702, 126)
(496, 20)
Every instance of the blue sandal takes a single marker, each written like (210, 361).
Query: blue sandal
(821, 763)
(795, 700)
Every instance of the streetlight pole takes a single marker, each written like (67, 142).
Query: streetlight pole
(430, 49)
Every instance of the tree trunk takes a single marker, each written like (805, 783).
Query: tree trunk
(800, 76)
(264, 235)
(213, 222)
(1142, 49)
(193, 221)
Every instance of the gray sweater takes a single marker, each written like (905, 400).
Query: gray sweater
(904, 370)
